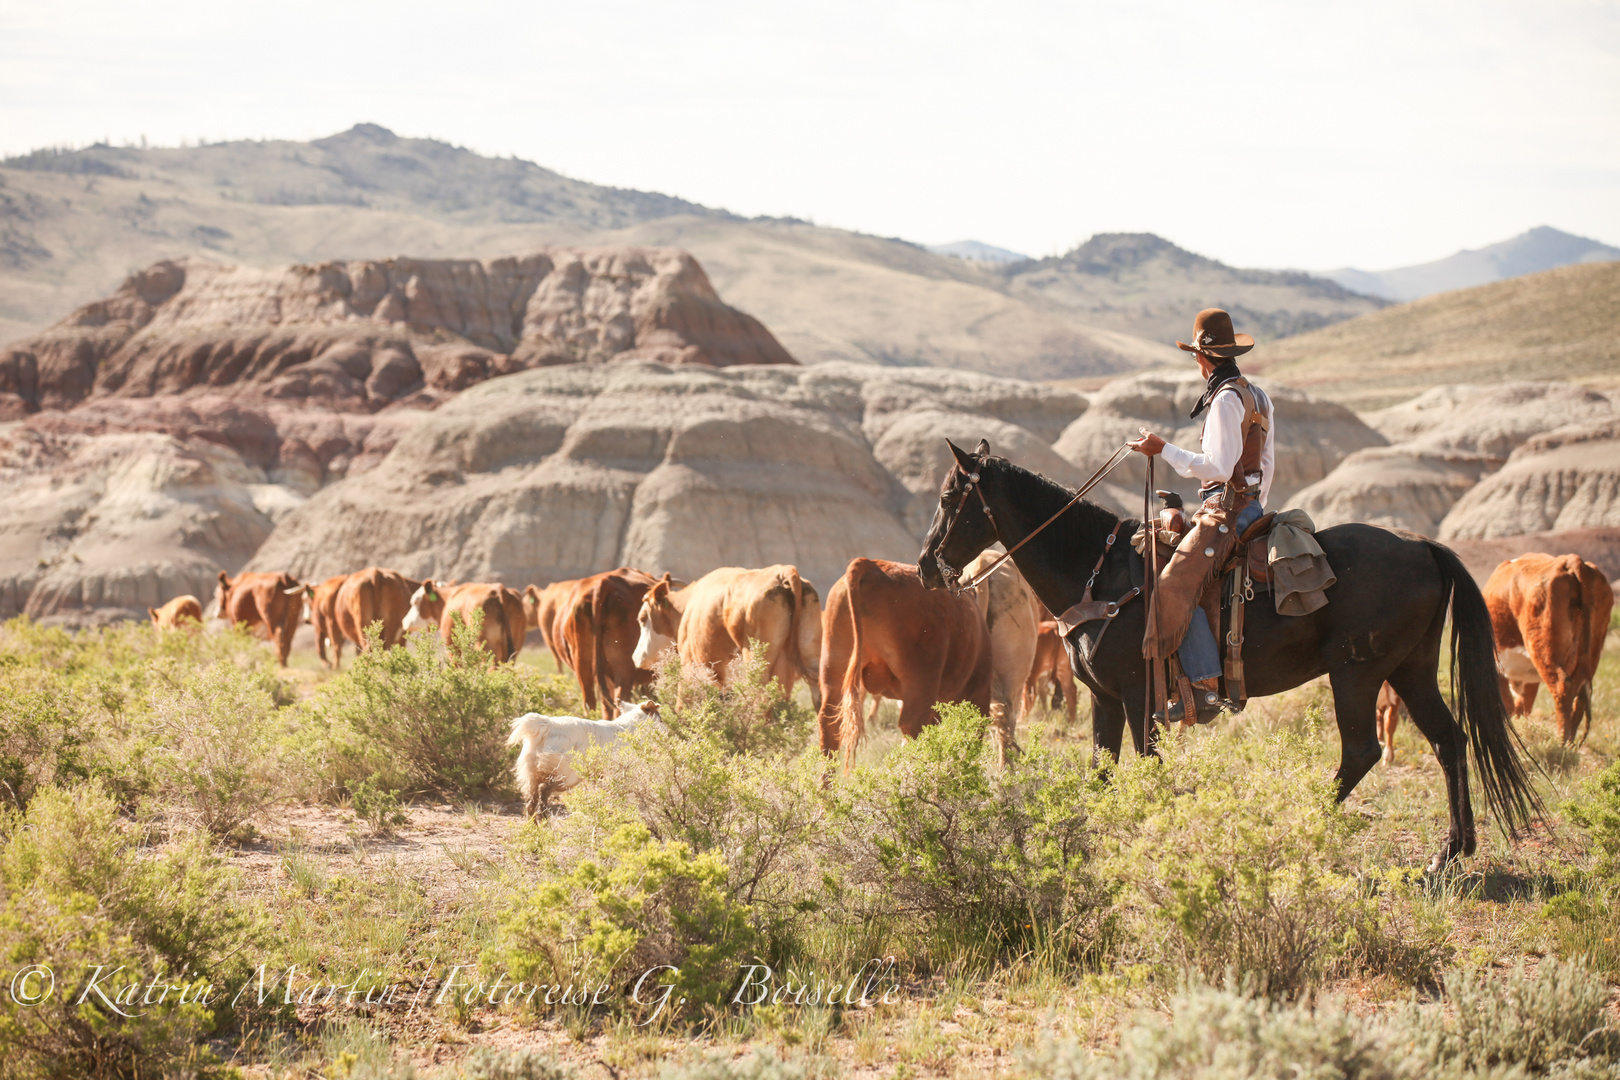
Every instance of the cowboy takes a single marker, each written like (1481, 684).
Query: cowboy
(1235, 469)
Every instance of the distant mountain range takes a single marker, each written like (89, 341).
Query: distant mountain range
(977, 251)
(1542, 248)
(74, 224)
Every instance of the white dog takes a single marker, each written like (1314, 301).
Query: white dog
(543, 767)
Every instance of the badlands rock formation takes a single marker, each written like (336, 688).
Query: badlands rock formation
(1313, 436)
(563, 472)
(1445, 442)
(157, 436)
(359, 336)
(1565, 479)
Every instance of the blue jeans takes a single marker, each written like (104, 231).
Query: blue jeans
(1199, 654)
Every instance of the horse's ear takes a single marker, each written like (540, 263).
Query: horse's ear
(964, 460)
(983, 449)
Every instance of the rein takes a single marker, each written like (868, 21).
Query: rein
(973, 485)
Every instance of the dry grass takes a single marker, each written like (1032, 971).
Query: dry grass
(408, 905)
(1556, 325)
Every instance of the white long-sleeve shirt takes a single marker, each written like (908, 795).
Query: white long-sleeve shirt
(1223, 443)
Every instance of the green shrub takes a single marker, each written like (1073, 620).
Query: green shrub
(1224, 1035)
(938, 829)
(115, 662)
(638, 906)
(1229, 855)
(218, 748)
(1553, 1018)
(762, 816)
(751, 713)
(1585, 924)
(378, 808)
(359, 1051)
(416, 719)
(762, 1064)
(1552, 1023)
(1596, 809)
(80, 892)
(45, 734)
(486, 1064)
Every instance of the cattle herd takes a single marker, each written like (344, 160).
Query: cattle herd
(881, 634)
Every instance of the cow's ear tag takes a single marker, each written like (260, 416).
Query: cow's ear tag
(433, 598)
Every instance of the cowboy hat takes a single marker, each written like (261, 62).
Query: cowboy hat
(1212, 334)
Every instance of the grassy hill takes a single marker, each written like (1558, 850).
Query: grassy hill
(74, 224)
(1561, 324)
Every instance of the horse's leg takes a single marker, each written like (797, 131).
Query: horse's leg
(1416, 682)
(1355, 702)
(1144, 732)
(1107, 725)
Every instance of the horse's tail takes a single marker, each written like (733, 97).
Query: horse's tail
(851, 722)
(1477, 699)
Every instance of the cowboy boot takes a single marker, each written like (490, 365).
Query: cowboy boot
(1206, 692)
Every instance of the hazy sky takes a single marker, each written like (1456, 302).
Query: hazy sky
(1310, 135)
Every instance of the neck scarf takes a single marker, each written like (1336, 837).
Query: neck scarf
(1224, 373)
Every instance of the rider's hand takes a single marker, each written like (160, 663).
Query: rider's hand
(1148, 444)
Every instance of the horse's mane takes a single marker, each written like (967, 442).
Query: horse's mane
(1043, 497)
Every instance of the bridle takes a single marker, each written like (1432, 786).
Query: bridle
(953, 576)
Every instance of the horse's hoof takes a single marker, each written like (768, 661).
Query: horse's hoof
(1444, 858)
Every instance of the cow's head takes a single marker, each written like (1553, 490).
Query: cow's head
(222, 594)
(659, 621)
(307, 591)
(531, 606)
(427, 605)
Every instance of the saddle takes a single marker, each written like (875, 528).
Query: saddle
(1229, 589)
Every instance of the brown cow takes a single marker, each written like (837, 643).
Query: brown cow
(544, 608)
(320, 611)
(375, 595)
(174, 614)
(595, 635)
(357, 600)
(502, 628)
(1550, 615)
(712, 620)
(267, 601)
(883, 633)
(1051, 668)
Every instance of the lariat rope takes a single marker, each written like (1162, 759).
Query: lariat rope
(1096, 478)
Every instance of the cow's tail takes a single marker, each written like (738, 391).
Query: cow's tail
(1477, 699)
(851, 721)
(496, 634)
(604, 685)
(807, 636)
(365, 595)
(580, 627)
(506, 627)
(1581, 617)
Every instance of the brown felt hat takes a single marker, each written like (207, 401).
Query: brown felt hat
(1212, 334)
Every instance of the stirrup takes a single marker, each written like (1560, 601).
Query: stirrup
(1210, 706)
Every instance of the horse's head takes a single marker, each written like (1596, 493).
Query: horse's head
(962, 526)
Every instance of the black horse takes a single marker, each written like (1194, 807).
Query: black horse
(1384, 620)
